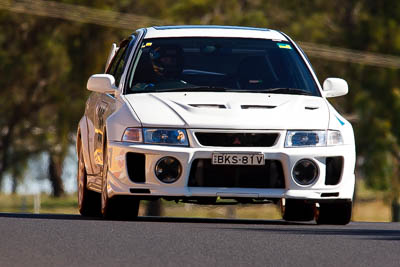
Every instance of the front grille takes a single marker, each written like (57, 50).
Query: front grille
(334, 166)
(135, 162)
(205, 174)
(237, 139)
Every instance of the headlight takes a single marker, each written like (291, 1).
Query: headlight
(313, 138)
(165, 136)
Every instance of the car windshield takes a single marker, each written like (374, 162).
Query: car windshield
(220, 64)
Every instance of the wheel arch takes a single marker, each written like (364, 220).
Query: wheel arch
(105, 140)
(83, 143)
(78, 144)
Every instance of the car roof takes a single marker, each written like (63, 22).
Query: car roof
(213, 31)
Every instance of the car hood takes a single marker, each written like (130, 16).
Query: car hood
(223, 110)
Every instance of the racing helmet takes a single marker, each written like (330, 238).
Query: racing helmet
(167, 60)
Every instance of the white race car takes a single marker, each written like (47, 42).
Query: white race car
(203, 113)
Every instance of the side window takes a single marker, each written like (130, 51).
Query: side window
(117, 65)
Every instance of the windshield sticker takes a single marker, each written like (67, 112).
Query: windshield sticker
(147, 44)
(340, 121)
(255, 81)
(285, 46)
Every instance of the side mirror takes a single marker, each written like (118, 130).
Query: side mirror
(334, 87)
(102, 83)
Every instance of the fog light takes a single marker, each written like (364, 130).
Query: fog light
(305, 172)
(168, 169)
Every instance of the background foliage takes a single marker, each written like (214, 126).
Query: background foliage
(45, 64)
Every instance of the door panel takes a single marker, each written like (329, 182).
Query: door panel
(105, 105)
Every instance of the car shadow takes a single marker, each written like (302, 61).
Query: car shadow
(299, 228)
(329, 230)
(153, 219)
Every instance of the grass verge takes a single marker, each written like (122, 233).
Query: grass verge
(372, 210)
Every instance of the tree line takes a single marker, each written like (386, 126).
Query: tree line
(45, 63)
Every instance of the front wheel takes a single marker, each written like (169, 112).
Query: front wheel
(297, 210)
(334, 213)
(117, 207)
(88, 201)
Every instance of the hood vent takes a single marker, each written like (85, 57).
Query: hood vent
(257, 107)
(208, 106)
(311, 108)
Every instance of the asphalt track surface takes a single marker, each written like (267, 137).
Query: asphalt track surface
(71, 240)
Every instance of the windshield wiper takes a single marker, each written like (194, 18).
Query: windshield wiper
(287, 90)
(197, 88)
(293, 91)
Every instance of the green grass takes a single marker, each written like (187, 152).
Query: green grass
(370, 206)
(48, 204)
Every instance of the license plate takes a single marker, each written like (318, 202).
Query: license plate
(237, 159)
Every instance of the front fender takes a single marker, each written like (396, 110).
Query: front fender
(121, 119)
(82, 142)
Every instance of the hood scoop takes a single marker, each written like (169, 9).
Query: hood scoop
(217, 106)
(257, 107)
(229, 110)
(311, 108)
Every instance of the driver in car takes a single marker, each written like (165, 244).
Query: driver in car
(160, 68)
(167, 62)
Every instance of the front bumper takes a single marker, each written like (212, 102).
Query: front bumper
(119, 182)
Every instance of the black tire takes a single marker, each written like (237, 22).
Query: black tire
(334, 213)
(297, 210)
(117, 207)
(88, 201)
(121, 208)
